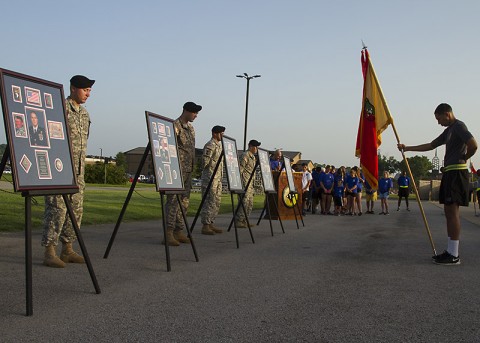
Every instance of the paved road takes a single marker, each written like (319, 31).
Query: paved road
(338, 279)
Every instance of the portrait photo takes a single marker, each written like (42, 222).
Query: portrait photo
(164, 152)
(55, 129)
(19, 125)
(17, 94)
(36, 122)
(32, 96)
(161, 129)
(48, 100)
(154, 127)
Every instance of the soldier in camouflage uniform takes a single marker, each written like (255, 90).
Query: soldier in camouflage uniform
(212, 151)
(57, 224)
(247, 165)
(186, 153)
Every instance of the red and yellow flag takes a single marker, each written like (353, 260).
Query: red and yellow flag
(374, 119)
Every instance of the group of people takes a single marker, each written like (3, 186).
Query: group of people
(324, 185)
(344, 187)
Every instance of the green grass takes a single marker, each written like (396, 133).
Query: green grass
(102, 206)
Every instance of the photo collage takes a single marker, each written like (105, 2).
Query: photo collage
(33, 126)
(167, 171)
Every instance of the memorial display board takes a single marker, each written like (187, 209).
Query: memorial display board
(231, 164)
(288, 170)
(163, 143)
(37, 133)
(268, 185)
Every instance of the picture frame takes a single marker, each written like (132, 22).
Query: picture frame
(168, 173)
(36, 163)
(231, 164)
(267, 178)
(288, 170)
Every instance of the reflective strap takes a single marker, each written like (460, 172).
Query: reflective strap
(456, 167)
(403, 186)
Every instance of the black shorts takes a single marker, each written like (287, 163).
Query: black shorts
(454, 188)
(337, 201)
(403, 192)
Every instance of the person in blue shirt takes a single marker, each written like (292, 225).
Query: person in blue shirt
(358, 196)
(403, 189)
(371, 196)
(351, 183)
(384, 186)
(338, 191)
(326, 184)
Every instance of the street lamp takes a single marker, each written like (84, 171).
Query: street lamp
(248, 78)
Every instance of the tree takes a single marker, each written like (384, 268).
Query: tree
(419, 165)
(387, 163)
(121, 160)
(95, 173)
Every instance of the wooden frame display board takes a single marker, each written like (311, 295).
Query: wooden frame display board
(163, 142)
(267, 178)
(288, 170)
(39, 141)
(168, 175)
(235, 183)
(40, 153)
(231, 164)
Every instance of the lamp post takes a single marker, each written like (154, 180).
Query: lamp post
(248, 78)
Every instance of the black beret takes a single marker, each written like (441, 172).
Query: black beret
(80, 81)
(192, 107)
(254, 142)
(218, 129)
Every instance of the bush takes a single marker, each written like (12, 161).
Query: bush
(95, 173)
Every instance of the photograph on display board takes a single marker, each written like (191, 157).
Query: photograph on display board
(35, 124)
(288, 170)
(168, 175)
(231, 164)
(267, 177)
(19, 124)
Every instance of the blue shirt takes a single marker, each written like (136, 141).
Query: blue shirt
(327, 179)
(351, 182)
(403, 181)
(384, 185)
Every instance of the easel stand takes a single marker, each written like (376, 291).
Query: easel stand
(28, 235)
(164, 220)
(241, 196)
(267, 209)
(293, 197)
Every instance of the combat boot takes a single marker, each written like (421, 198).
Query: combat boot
(215, 229)
(241, 225)
(70, 256)
(51, 259)
(207, 230)
(171, 240)
(181, 237)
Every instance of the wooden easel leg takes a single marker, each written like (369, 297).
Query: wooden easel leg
(164, 222)
(184, 216)
(81, 243)
(28, 255)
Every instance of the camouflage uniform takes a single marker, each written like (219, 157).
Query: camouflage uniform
(57, 224)
(186, 154)
(247, 164)
(212, 151)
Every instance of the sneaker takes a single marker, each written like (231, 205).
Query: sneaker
(386, 213)
(446, 259)
(398, 209)
(381, 213)
(408, 209)
(359, 213)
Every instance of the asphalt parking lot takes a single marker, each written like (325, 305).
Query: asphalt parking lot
(338, 279)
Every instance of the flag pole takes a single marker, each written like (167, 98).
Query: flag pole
(408, 166)
(474, 191)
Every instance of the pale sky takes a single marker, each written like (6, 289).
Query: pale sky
(156, 55)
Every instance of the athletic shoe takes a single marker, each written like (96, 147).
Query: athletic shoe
(386, 213)
(446, 259)
(381, 213)
(408, 209)
(398, 209)
(359, 213)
